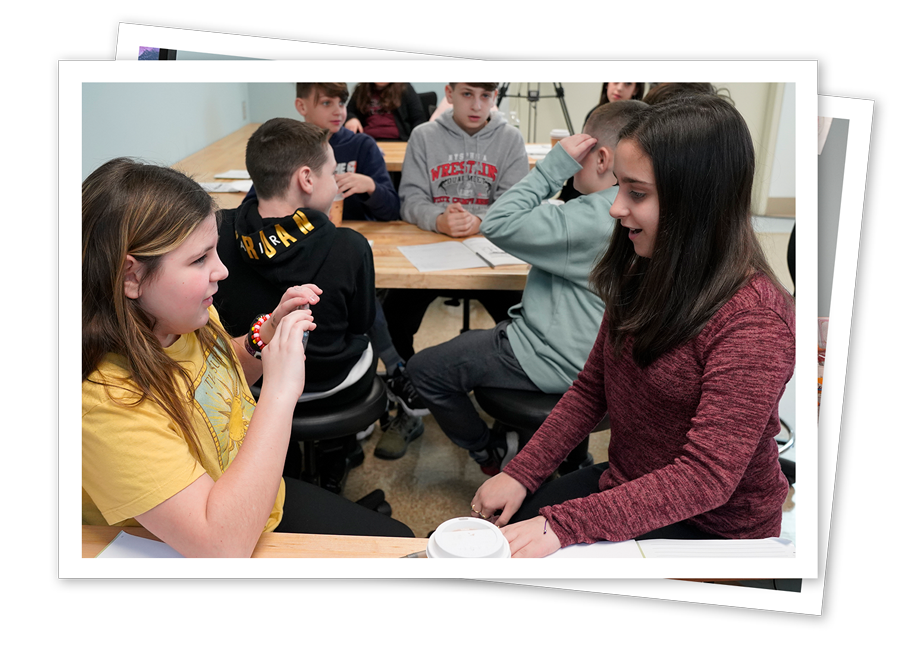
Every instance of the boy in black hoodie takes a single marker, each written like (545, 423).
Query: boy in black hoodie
(283, 237)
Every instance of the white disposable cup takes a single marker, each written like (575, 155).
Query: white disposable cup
(467, 537)
(556, 134)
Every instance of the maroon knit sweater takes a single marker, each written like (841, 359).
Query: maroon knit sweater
(692, 435)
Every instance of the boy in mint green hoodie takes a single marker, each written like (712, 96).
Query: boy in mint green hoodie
(547, 341)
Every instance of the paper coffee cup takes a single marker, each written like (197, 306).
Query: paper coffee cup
(467, 537)
(557, 134)
(336, 214)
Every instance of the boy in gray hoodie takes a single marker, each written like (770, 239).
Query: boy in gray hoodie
(455, 168)
(459, 164)
(552, 331)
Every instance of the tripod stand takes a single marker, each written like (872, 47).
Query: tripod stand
(533, 96)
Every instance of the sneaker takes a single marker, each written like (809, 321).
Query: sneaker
(402, 391)
(399, 433)
(365, 433)
(493, 458)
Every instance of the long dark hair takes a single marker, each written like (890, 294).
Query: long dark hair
(705, 248)
(391, 96)
(637, 96)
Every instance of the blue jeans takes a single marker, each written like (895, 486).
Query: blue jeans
(445, 374)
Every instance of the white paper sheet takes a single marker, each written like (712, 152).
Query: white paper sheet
(125, 545)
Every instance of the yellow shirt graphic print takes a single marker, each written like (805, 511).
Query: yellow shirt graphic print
(224, 407)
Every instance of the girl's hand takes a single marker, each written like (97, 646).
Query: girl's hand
(531, 538)
(501, 493)
(293, 298)
(578, 146)
(354, 125)
(284, 359)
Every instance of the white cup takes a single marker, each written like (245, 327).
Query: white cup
(557, 134)
(467, 537)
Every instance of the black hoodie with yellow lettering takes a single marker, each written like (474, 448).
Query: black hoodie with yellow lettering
(266, 256)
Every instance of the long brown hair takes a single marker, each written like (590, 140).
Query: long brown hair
(705, 248)
(391, 96)
(146, 211)
(637, 96)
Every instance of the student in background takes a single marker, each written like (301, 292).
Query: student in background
(610, 93)
(547, 341)
(621, 92)
(369, 194)
(362, 175)
(172, 439)
(454, 169)
(283, 237)
(696, 347)
(385, 111)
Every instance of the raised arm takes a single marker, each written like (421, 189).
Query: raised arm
(520, 224)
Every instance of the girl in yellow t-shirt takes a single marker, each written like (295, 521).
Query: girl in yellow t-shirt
(172, 439)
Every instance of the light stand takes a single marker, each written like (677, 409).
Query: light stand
(533, 96)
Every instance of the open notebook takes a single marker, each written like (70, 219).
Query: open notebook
(472, 252)
(692, 548)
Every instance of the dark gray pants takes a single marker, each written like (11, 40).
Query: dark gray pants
(445, 374)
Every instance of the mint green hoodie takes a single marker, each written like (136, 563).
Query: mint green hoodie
(554, 328)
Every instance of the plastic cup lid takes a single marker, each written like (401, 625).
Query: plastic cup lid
(559, 132)
(467, 537)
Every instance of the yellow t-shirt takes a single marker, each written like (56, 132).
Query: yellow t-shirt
(134, 458)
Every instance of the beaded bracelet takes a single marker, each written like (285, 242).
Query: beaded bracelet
(254, 343)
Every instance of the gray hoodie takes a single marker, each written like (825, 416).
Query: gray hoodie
(444, 165)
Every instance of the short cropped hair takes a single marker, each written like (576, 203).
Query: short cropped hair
(606, 121)
(278, 148)
(490, 87)
(307, 90)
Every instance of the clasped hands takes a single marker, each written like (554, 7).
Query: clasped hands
(497, 500)
(457, 222)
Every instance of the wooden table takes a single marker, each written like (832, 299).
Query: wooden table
(279, 544)
(392, 270)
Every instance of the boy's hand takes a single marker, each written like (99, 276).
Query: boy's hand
(354, 125)
(578, 146)
(457, 222)
(350, 183)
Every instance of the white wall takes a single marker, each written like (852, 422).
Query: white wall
(784, 183)
(157, 122)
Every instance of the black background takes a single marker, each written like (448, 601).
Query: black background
(857, 593)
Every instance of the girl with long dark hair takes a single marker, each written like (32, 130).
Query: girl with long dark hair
(691, 360)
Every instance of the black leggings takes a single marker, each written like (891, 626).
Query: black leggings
(311, 509)
(584, 482)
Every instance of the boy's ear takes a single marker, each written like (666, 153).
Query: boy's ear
(447, 92)
(133, 272)
(300, 105)
(303, 179)
(604, 160)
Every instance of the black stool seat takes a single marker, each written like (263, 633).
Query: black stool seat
(312, 424)
(323, 424)
(525, 410)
